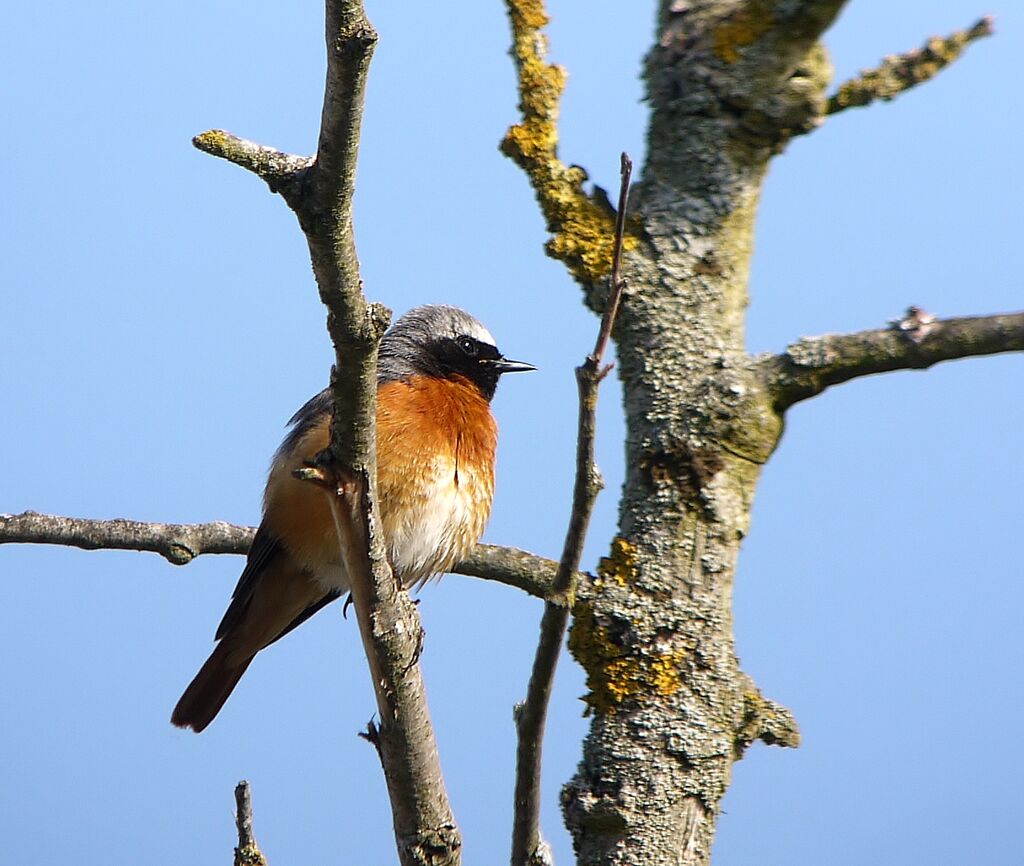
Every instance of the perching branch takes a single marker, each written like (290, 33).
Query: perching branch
(248, 852)
(391, 633)
(899, 73)
(528, 846)
(915, 342)
(509, 565)
(424, 828)
(180, 543)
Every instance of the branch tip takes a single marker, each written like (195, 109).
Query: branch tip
(248, 852)
(914, 342)
(580, 224)
(899, 73)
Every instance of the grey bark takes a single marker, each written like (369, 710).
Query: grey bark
(729, 83)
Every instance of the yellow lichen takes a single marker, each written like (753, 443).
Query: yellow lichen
(582, 231)
(620, 564)
(741, 29)
(615, 675)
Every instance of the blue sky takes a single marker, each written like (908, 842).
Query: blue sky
(159, 324)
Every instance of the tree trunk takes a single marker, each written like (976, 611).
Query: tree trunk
(728, 86)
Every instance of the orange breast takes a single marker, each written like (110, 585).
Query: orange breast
(436, 441)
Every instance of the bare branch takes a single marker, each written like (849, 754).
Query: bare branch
(248, 852)
(424, 827)
(528, 846)
(526, 571)
(390, 629)
(900, 72)
(178, 543)
(915, 342)
(581, 225)
(272, 165)
(764, 720)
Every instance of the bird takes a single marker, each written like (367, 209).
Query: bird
(437, 371)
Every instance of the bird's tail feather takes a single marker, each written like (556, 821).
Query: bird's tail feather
(211, 687)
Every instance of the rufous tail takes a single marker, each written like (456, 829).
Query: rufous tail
(209, 690)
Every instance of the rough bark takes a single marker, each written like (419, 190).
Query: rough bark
(729, 83)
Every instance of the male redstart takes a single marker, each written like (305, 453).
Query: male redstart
(437, 372)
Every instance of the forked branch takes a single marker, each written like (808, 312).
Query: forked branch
(323, 203)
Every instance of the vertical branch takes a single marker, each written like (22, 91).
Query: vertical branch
(321, 192)
(425, 830)
(528, 846)
(248, 852)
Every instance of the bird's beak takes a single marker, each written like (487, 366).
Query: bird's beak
(504, 365)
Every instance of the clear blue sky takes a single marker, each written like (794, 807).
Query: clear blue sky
(159, 323)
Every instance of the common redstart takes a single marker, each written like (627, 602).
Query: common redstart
(437, 371)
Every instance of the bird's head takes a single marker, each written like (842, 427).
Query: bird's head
(444, 342)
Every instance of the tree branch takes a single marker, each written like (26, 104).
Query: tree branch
(322, 199)
(581, 225)
(180, 543)
(390, 629)
(901, 72)
(526, 571)
(528, 846)
(274, 166)
(915, 342)
(764, 720)
(248, 852)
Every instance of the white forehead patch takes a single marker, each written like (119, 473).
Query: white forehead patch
(479, 332)
(462, 323)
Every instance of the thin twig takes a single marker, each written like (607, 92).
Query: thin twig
(901, 72)
(528, 846)
(248, 852)
(617, 284)
(914, 342)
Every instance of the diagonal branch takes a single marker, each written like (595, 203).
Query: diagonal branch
(915, 342)
(528, 846)
(901, 72)
(180, 543)
(277, 168)
(581, 225)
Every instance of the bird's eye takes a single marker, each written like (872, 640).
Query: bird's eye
(468, 345)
